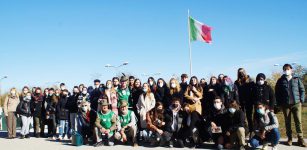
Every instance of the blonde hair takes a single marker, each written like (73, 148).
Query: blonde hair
(14, 89)
(174, 90)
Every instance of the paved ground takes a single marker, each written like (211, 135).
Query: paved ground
(45, 144)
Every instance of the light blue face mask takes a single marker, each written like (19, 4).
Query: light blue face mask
(260, 111)
(145, 90)
(232, 110)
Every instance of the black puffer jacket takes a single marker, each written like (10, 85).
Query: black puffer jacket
(24, 108)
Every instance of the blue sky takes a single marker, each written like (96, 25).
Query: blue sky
(71, 41)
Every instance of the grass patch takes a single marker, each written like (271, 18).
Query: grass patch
(282, 127)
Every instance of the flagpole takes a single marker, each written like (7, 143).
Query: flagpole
(190, 43)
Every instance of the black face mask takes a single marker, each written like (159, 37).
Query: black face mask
(175, 105)
(241, 75)
(160, 110)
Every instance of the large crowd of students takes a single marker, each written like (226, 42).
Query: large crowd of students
(175, 114)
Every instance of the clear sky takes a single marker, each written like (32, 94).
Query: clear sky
(71, 41)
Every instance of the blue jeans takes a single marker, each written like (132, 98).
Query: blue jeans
(63, 128)
(273, 137)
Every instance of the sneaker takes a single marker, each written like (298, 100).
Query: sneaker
(180, 144)
(135, 145)
(27, 136)
(65, 137)
(289, 142)
(242, 147)
(274, 148)
(301, 142)
(220, 146)
(60, 138)
(264, 147)
(22, 137)
(54, 138)
(170, 144)
(98, 144)
(110, 143)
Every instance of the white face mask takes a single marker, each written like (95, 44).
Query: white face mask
(84, 92)
(232, 110)
(28, 97)
(13, 92)
(63, 88)
(150, 83)
(57, 94)
(261, 82)
(218, 106)
(173, 85)
(160, 84)
(97, 86)
(145, 90)
(287, 72)
(109, 86)
(84, 109)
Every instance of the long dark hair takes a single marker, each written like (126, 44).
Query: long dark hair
(197, 85)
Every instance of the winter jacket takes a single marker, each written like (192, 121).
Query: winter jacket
(61, 110)
(36, 105)
(190, 95)
(169, 118)
(231, 122)
(264, 94)
(162, 95)
(10, 104)
(146, 103)
(265, 122)
(72, 103)
(24, 108)
(282, 90)
(244, 91)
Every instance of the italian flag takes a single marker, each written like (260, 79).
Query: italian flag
(199, 31)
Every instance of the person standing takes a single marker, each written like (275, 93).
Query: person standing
(290, 94)
(24, 110)
(123, 91)
(95, 95)
(262, 92)
(146, 102)
(111, 93)
(72, 106)
(37, 104)
(243, 86)
(10, 104)
(162, 93)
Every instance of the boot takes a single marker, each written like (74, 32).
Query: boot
(301, 142)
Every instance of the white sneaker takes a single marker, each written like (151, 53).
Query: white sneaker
(274, 148)
(264, 147)
(65, 137)
(60, 138)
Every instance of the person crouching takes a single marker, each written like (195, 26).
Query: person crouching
(127, 124)
(106, 124)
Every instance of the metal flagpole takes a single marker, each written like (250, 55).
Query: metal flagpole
(190, 43)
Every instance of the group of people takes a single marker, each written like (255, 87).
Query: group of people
(173, 114)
